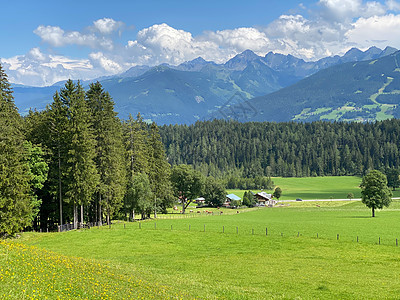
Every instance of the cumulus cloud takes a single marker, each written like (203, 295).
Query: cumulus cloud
(107, 25)
(57, 37)
(379, 30)
(39, 69)
(240, 39)
(99, 59)
(162, 43)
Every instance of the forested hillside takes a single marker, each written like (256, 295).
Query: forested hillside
(363, 91)
(284, 149)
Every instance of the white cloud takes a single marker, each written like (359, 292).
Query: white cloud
(107, 64)
(57, 37)
(161, 43)
(40, 69)
(393, 5)
(240, 39)
(107, 25)
(340, 10)
(379, 30)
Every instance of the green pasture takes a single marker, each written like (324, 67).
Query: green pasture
(309, 188)
(229, 256)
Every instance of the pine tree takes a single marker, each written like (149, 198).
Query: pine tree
(137, 156)
(58, 144)
(109, 150)
(159, 170)
(15, 200)
(38, 132)
(135, 137)
(82, 177)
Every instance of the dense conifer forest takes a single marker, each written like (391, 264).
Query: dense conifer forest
(284, 149)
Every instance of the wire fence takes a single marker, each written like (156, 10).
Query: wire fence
(256, 231)
(70, 226)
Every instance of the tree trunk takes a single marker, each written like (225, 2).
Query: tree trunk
(183, 205)
(75, 216)
(133, 215)
(100, 214)
(96, 209)
(81, 214)
(108, 217)
(155, 208)
(59, 184)
(373, 212)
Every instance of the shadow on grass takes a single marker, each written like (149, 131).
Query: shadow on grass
(356, 217)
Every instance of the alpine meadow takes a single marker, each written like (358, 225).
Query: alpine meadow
(200, 150)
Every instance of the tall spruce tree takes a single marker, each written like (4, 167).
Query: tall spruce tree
(15, 200)
(82, 177)
(58, 144)
(135, 138)
(159, 171)
(37, 128)
(109, 151)
(137, 157)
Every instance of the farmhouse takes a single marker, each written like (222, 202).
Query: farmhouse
(199, 200)
(232, 199)
(265, 199)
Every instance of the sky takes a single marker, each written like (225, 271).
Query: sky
(43, 42)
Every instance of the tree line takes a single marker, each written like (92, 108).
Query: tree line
(76, 161)
(224, 148)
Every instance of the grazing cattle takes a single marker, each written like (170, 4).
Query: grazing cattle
(237, 211)
(210, 212)
(191, 211)
(199, 212)
(221, 212)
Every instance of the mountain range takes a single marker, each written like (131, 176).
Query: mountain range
(248, 87)
(355, 91)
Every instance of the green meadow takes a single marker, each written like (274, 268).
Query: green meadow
(291, 251)
(310, 188)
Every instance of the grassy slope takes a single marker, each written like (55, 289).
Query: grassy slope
(244, 266)
(309, 188)
(28, 272)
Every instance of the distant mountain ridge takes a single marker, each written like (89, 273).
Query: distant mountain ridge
(354, 91)
(199, 89)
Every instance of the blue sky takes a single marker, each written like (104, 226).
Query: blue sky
(48, 41)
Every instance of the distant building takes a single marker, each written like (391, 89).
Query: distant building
(232, 199)
(200, 200)
(265, 199)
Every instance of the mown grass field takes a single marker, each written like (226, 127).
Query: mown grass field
(309, 188)
(226, 261)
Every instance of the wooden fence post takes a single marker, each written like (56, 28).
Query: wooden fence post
(266, 230)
